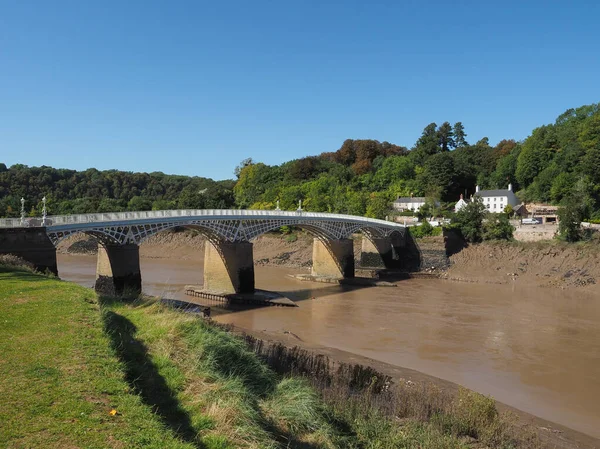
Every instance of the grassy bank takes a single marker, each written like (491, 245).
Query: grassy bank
(59, 377)
(177, 381)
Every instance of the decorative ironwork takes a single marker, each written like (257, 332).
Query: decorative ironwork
(218, 225)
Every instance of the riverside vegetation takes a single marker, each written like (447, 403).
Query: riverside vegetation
(81, 371)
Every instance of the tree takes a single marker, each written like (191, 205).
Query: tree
(446, 137)
(498, 227)
(378, 206)
(460, 135)
(427, 145)
(570, 215)
(138, 203)
(469, 220)
(246, 162)
(536, 154)
(438, 174)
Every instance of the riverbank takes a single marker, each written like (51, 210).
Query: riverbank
(80, 373)
(550, 434)
(547, 264)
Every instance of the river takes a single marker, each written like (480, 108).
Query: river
(536, 349)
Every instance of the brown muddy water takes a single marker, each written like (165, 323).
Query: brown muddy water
(536, 349)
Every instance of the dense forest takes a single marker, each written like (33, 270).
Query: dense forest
(558, 163)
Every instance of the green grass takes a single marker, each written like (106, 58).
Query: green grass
(59, 378)
(67, 359)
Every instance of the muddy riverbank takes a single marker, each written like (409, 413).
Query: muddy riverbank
(544, 264)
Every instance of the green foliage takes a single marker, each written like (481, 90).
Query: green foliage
(498, 227)
(378, 205)
(425, 230)
(469, 220)
(571, 215)
(79, 192)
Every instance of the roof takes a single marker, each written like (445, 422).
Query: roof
(414, 199)
(499, 192)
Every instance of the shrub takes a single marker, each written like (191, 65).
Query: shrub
(498, 227)
(570, 215)
(469, 220)
(10, 261)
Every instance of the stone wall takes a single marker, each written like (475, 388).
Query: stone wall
(30, 244)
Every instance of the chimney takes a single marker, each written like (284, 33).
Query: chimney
(476, 188)
(510, 187)
(461, 197)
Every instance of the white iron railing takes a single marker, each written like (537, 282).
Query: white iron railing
(239, 214)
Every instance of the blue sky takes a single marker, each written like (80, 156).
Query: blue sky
(191, 87)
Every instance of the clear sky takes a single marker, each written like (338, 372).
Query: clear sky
(193, 87)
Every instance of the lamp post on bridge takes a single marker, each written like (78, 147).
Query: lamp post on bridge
(44, 211)
(22, 211)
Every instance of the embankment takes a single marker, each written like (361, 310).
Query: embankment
(548, 264)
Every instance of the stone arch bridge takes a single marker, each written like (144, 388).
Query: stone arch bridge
(228, 259)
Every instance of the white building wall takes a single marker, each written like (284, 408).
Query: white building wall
(497, 204)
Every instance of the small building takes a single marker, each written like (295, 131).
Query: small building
(413, 203)
(546, 213)
(521, 211)
(460, 204)
(496, 200)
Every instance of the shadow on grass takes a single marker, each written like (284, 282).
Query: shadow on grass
(143, 376)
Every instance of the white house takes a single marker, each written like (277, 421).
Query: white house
(412, 203)
(460, 204)
(497, 200)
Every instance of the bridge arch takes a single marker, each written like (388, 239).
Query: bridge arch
(104, 237)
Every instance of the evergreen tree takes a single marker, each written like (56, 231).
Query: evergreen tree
(446, 137)
(460, 135)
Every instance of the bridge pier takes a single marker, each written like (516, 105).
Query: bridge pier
(30, 244)
(334, 258)
(382, 252)
(228, 267)
(118, 270)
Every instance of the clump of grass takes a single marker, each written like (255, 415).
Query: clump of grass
(10, 262)
(294, 406)
(372, 411)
